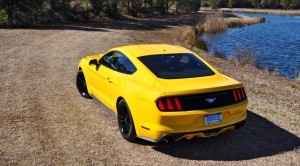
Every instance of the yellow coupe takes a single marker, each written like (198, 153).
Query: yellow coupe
(161, 92)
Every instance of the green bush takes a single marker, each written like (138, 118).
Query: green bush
(3, 16)
(204, 4)
(231, 3)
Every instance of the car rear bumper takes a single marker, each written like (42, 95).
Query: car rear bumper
(202, 133)
(175, 126)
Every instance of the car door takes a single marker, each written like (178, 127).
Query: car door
(102, 85)
(113, 66)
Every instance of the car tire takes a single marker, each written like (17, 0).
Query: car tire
(81, 85)
(125, 122)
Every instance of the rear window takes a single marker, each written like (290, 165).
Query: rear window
(174, 66)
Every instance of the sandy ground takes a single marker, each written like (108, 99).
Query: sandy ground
(44, 121)
(267, 11)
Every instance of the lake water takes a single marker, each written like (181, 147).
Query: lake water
(276, 42)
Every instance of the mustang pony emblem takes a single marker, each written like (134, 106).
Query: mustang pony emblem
(210, 100)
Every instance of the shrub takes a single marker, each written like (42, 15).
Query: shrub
(220, 54)
(297, 78)
(200, 43)
(297, 74)
(231, 3)
(245, 56)
(244, 22)
(192, 36)
(3, 16)
(189, 35)
(204, 4)
(215, 23)
(214, 3)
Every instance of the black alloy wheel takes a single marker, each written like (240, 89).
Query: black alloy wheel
(125, 122)
(81, 85)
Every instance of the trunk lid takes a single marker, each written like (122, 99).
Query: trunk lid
(197, 85)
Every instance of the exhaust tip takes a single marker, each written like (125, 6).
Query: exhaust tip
(169, 139)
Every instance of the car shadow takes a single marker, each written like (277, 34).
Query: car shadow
(258, 138)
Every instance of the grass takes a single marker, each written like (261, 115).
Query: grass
(234, 22)
(215, 23)
(188, 35)
(266, 11)
(220, 54)
(245, 56)
(294, 86)
(200, 43)
(191, 35)
(297, 77)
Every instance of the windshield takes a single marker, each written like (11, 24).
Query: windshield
(174, 66)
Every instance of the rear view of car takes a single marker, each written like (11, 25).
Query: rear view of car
(198, 101)
(161, 92)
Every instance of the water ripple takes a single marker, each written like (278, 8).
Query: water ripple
(276, 42)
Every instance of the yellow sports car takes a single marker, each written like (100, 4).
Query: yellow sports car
(161, 92)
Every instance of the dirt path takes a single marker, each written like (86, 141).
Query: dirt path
(44, 121)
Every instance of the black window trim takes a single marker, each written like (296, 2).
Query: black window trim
(213, 72)
(115, 51)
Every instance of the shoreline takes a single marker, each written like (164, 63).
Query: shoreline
(231, 20)
(262, 11)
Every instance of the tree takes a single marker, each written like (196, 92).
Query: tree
(255, 3)
(214, 3)
(293, 4)
(284, 3)
(8, 6)
(187, 6)
(97, 6)
(231, 3)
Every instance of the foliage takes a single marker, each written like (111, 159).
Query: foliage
(220, 54)
(293, 4)
(255, 3)
(47, 11)
(3, 16)
(40, 11)
(214, 3)
(245, 56)
(284, 3)
(185, 6)
(205, 4)
(245, 22)
(200, 43)
(215, 23)
(231, 3)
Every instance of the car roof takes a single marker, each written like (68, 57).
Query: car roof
(138, 50)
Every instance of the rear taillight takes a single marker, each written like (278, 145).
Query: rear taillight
(239, 94)
(169, 104)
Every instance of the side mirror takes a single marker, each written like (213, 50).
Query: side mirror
(94, 62)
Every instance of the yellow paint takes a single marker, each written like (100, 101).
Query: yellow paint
(143, 88)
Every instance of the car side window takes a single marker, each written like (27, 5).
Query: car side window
(119, 62)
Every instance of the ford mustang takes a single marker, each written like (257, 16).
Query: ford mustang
(161, 92)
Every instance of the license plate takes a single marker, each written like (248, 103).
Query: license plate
(213, 118)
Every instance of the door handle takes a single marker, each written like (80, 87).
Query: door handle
(108, 79)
